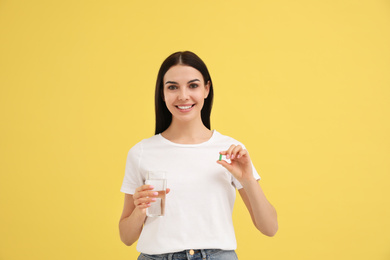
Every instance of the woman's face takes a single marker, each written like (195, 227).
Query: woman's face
(184, 92)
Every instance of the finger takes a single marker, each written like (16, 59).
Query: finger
(143, 194)
(236, 150)
(144, 201)
(229, 151)
(144, 206)
(242, 153)
(168, 190)
(144, 187)
(221, 154)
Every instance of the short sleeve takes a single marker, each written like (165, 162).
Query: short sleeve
(133, 176)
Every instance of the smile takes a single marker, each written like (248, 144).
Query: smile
(187, 107)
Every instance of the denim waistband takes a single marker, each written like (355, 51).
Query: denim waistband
(192, 254)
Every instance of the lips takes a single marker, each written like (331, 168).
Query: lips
(185, 107)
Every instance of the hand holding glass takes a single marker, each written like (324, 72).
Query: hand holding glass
(158, 180)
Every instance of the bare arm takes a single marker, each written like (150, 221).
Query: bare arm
(131, 221)
(263, 214)
(134, 213)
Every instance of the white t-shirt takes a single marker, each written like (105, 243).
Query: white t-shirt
(198, 209)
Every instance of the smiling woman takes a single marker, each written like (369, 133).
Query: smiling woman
(192, 64)
(203, 192)
(184, 93)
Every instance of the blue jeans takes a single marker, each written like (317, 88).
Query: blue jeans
(206, 254)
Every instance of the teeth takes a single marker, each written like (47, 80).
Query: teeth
(182, 107)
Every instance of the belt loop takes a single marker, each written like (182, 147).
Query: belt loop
(204, 256)
(170, 256)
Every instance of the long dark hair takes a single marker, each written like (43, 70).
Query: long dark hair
(163, 116)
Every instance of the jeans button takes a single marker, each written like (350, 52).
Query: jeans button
(192, 252)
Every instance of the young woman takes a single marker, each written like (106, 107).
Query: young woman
(198, 214)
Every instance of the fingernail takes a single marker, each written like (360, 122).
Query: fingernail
(227, 156)
(155, 193)
(151, 186)
(232, 156)
(153, 199)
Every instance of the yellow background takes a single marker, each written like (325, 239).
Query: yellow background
(305, 85)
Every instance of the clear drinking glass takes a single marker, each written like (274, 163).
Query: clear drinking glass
(159, 181)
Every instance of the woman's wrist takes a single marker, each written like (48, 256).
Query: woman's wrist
(139, 213)
(248, 182)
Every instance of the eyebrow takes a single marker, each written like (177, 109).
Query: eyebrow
(173, 82)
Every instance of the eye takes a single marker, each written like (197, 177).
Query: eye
(193, 85)
(172, 87)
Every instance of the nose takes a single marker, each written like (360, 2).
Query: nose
(183, 94)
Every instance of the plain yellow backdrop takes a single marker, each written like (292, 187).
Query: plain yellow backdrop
(305, 85)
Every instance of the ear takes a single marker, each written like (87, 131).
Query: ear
(207, 88)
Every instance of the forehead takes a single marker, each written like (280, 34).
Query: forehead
(184, 73)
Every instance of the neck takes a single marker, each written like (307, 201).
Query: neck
(187, 132)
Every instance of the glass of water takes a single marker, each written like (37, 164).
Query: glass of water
(159, 181)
